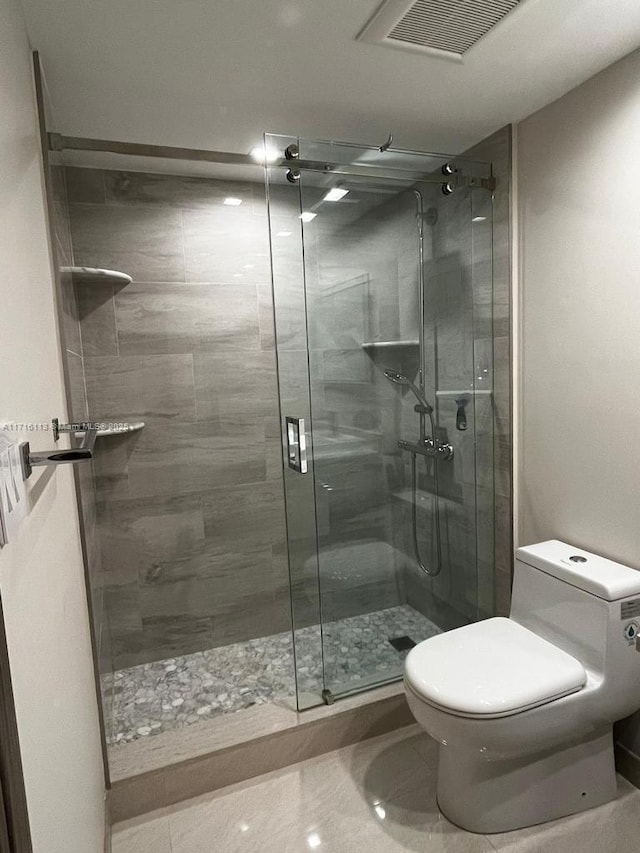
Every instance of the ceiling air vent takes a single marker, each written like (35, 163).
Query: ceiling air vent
(446, 28)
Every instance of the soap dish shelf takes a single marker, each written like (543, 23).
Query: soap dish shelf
(375, 345)
(94, 275)
(124, 429)
(467, 392)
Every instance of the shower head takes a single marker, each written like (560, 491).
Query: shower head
(400, 379)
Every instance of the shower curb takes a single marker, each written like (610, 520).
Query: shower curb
(311, 733)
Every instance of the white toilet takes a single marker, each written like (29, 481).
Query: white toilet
(523, 707)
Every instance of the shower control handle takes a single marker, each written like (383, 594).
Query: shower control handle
(461, 413)
(445, 451)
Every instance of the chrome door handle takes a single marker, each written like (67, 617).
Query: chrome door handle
(296, 445)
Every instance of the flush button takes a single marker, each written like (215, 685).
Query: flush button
(576, 558)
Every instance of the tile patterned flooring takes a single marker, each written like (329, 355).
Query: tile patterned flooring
(181, 691)
(378, 796)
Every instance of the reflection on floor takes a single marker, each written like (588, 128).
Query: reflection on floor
(178, 692)
(378, 796)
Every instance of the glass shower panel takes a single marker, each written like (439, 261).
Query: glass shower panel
(485, 410)
(451, 597)
(290, 317)
(384, 283)
(361, 322)
(193, 577)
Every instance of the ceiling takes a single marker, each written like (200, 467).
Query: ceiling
(217, 73)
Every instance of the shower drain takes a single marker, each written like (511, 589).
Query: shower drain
(402, 644)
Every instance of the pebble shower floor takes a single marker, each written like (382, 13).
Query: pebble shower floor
(177, 692)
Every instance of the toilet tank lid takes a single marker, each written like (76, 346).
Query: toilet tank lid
(596, 575)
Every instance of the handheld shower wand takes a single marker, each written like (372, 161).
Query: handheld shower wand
(424, 407)
(400, 379)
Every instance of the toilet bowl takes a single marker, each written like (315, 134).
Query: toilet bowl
(523, 708)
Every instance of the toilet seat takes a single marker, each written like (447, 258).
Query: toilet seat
(489, 669)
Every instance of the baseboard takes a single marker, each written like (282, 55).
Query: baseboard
(627, 764)
(302, 736)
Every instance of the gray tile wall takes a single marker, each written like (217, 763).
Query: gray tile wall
(190, 510)
(357, 255)
(361, 265)
(452, 323)
(353, 253)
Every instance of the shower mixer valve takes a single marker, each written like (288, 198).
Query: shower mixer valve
(429, 447)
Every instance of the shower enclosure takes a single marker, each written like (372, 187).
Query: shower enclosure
(293, 479)
(381, 266)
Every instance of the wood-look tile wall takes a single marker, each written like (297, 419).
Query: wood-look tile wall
(190, 509)
(353, 261)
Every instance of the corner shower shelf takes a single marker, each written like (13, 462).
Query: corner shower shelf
(121, 430)
(373, 345)
(469, 392)
(93, 275)
(426, 499)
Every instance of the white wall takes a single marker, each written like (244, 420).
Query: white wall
(578, 454)
(218, 74)
(579, 222)
(41, 578)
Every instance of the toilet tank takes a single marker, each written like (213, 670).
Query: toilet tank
(585, 604)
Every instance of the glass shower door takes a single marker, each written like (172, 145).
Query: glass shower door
(374, 309)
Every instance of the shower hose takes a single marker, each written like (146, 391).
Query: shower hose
(432, 573)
